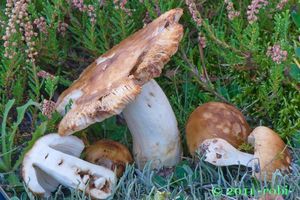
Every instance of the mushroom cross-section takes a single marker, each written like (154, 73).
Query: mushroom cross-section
(112, 81)
(110, 154)
(216, 120)
(270, 153)
(53, 160)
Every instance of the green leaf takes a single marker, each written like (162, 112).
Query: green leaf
(14, 180)
(296, 140)
(39, 132)
(295, 72)
(51, 85)
(4, 144)
(296, 18)
(21, 112)
(160, 181)
(297, 52)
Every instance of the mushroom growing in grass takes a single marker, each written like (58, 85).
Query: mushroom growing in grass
(53, 160)
(216, 120)
(109, 154)
(117, 77)
(271, 150)
(270, 153)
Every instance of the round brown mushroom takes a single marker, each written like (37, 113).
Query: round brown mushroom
(271, 151)
(110, 154)
(216, 120)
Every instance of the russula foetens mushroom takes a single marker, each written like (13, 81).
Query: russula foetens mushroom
(270, 153)
(109, 154)
(216, 120)
(53, 160)
(117, 77)
(153, 126)
(112, 81)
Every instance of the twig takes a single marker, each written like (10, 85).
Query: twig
(203, 63)
(219, 42)
(205, 86)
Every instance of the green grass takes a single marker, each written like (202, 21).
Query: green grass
(239, 72)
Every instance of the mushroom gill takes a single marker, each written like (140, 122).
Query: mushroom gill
(114, 79)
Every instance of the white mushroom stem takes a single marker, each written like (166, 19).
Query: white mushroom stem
(73, 172)
(153, 126)
(220, 153)
(55, 161)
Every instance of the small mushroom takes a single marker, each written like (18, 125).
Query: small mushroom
(271, 150)
(115, 79)
(110, 154)
(153, 126)
(270, 153)
(216, 120)
(53, 160)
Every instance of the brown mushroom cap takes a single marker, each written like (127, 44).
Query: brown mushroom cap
(216, 120)
(111, 82)
(110, 154)
(271, 150)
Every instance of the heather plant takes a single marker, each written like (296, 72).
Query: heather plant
(246, 53)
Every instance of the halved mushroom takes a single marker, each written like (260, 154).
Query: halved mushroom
(270, 153)
(216, 120)
(111, 82)
(153, 126)
(53, 160)
(110, 154)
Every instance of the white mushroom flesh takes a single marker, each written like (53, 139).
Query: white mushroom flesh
(153, 126)
(57, 158)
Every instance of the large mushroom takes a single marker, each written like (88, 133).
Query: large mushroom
(117, 77)
(216, 120)
(109, 154)
(270, 153)
(53, 160)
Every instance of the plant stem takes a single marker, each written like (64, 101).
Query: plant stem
(204, 85)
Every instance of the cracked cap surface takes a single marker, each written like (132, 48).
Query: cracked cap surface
(216, 120)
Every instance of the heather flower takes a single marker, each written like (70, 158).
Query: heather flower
(253, 9)
(48, 107)
(28, 35)
(79, 5)
(44, 74)
(120, 4)
(281, 4)
(62, 28)
(194, 12)
(2, 23)
(89, 9)
(232, 13)
(18, 19)
(277, 54)
(91, 13)
(41, 24)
